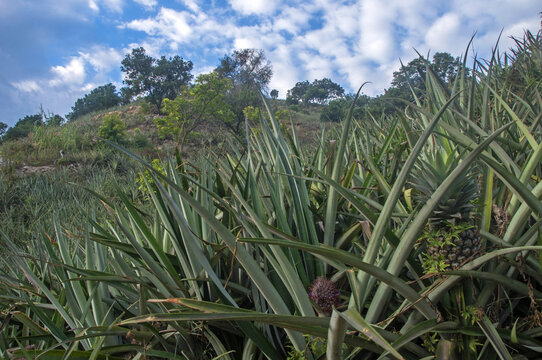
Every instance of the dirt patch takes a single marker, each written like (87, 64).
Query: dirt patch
(27, 169)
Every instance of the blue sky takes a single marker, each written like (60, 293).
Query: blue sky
(55, 51)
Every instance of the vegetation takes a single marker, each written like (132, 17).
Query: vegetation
(102, 97)
(274, 251)
(112, 128)
(202, 102)
(3, 128)
(319, 92)
(23, 127)
(155, 79)
(249, 72)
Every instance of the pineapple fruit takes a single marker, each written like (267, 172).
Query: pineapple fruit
(325, 295)
(451, 236)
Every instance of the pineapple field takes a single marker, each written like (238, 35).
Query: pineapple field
(415, 235)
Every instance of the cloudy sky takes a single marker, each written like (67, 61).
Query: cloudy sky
(55, 51)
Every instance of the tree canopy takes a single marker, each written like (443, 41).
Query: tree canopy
(249, 71)
(3, 128)
(318, 92)
(102, 97)
(156, 79)
(23, 127)
(413, 74)
(202, 102)
(246, 67)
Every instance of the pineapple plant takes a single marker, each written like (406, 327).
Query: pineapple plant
(451, 237)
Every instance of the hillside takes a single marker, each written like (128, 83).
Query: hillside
(34, 163)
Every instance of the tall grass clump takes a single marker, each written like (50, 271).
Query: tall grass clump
(272, 252)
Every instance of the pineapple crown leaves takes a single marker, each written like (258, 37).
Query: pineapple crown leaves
(430, 172)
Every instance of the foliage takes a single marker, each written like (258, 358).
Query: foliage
(246, 67)
(23, 127)
(334, 111)
(100, 98)
(112, 128)
(413, 75)
(54, 120)
(202, 102)
(139, 139)
(317, 92)
(252, 114)
(250, 72)
(274, 94)
(3, 128)
(156, 79)
(145, 179)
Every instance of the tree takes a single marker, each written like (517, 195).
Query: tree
(202, 102)
(249, 72)
(152, 78)
(54, 120)
(319, 91)
(246, 67)
(413, 74)
(334, 111)
(324, 90)
(23, 127)
(295, 94)
(3, 128)
(274, 94)
(102, 97)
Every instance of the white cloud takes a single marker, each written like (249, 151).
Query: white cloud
(192, 5)
(445, 32)
(114, 5)
(27, 86)
(256, 7)
(93, 6)
(170, 24)
(102, 59)
(72, 73)
(291, 19)
(149, 4)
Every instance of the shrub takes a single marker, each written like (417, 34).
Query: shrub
(334, 111)
(113, 128)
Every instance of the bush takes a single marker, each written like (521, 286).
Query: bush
(139, 139)
(113, 128)
(334, 111)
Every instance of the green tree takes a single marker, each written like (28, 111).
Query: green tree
(274, 94)
(295, 94)
(334, 111)
(54, 120)
(112, 128)
(202, 102)
(23, 127)
(102, 97)
(249, 72)
(156, 79)
(413, 74)
(317, 92)
(3, 128)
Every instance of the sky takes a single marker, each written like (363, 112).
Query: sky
(53, 52)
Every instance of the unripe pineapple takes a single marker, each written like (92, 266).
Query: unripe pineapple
(324, 294)
(452, 237)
